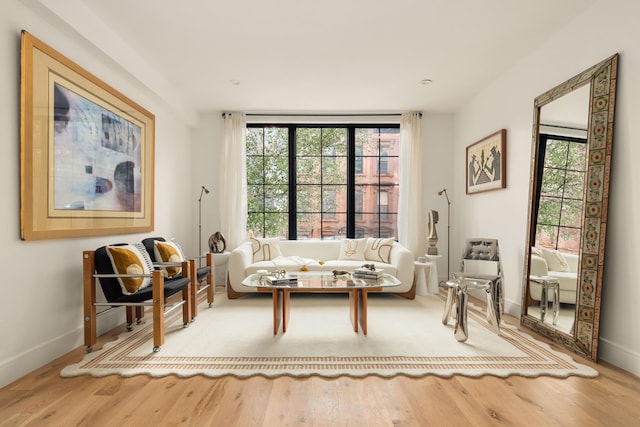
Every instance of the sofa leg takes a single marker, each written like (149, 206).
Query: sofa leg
(411, 293)
(231, 294)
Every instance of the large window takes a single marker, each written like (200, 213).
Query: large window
(561, 190)
(322, 181)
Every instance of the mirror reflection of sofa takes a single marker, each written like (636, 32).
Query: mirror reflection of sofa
(556, 264)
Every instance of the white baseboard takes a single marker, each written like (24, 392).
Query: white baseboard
(513, 308)
(35, 357)
(622, 357)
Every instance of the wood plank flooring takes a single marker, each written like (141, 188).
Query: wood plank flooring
(44, 398)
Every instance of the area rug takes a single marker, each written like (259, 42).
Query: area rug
(405, 337)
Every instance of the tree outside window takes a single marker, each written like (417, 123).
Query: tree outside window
(312, 181)
(561, 191)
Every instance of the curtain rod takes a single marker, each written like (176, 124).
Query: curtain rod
(324, 115)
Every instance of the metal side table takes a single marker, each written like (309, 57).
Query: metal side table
(548, 282)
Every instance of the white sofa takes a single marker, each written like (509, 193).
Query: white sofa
(568, 279)
(294, 254)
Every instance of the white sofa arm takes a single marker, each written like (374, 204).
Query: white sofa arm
(538, 266)
(402, 258)
(239, 259)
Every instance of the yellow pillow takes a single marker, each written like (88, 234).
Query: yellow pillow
(168, 252)
(128, 260)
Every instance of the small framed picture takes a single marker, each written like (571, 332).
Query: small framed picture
(487, 163)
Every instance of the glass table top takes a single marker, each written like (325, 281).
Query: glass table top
(320, 280)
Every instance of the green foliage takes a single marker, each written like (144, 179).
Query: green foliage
(561, 195)
(320, 174)
(267, 177)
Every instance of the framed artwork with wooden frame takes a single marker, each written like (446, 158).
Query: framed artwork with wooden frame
(487, 163)
(86, 152)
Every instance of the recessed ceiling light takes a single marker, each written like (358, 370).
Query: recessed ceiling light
(426, 81)
(235, 82)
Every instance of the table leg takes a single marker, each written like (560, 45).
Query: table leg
(362, 310)
(286, 309)
(353, 308)
(543, 302)
(556, 303)
(277, 309)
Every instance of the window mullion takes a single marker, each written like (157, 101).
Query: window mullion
(293, 185)
(351, 179)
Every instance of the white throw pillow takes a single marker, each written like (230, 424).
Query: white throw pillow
(352, 249)
(378, 249)
(555, 260)
(265, 249)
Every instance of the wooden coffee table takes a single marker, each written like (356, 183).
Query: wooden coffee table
(321, 282)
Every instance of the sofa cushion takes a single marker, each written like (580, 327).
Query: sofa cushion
(378, 249)
(128, 259)
(352, 249)
(265, 249)
(568, 281)
(168, 252)
(311, 248)
(555, 260)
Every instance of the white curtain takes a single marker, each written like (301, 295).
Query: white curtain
(411, 215)
(233, 180)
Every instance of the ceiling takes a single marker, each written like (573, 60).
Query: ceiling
(316, 56)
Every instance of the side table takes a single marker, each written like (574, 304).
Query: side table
(220, 261)
(548, 282)
(423, 270)
(432, 283)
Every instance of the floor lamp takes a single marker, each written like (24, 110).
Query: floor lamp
(444, 190)
(205, 191)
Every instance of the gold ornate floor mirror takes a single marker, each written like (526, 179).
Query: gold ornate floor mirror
(573, 123)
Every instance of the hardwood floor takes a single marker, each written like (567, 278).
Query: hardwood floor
(44, 398)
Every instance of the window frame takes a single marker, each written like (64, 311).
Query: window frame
(353, 219)
(544, 138)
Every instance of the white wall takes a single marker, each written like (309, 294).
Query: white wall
(437, 131)
(41, 308)
(207, 141)
(605, 28)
